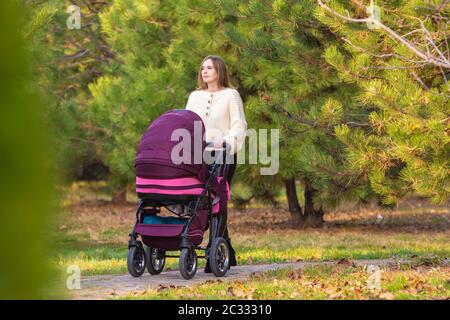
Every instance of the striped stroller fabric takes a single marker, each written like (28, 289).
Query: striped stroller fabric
(176, 186)
(156, 173)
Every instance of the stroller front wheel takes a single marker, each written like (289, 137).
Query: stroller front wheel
(156, 259)
(136, 261)
(188, 263)
(219, 257)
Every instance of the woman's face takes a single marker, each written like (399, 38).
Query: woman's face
(209, 74)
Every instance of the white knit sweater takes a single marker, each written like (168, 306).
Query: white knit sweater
(222, 113)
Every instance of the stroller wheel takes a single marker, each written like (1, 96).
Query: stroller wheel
(136, 261)
(188, 263)
(219, 257)
(156, 259)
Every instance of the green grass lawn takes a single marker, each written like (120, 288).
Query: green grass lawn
(111, 258)
(95, 239)
(93, 235)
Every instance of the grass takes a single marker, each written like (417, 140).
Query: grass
(94, 236)
(317, 282)
(111, 258)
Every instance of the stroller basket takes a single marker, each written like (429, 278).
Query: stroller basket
(165, 235)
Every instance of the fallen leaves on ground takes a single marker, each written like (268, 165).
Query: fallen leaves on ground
(338, 281)
(386, 296)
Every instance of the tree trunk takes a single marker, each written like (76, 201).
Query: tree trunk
(311, 217)
(294, 206)
(119, 195)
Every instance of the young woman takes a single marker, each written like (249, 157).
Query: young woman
(221, 109)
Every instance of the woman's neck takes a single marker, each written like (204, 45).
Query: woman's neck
(213, 87)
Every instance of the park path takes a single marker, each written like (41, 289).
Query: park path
(110, 286)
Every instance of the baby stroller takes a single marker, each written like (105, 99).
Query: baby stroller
(193, 191)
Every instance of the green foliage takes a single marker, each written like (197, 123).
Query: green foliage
(26, 186)
(66, 61)
(274, 59)
(406, 147)
(146, 83)
(354, 119)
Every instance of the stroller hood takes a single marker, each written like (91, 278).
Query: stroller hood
(157, 147)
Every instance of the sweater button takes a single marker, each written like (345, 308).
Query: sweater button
(207, 114)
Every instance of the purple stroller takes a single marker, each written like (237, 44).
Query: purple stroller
(193, 191)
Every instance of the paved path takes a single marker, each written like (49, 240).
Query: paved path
(109, 286)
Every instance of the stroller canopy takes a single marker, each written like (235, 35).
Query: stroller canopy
(154, 153)
(156, 172)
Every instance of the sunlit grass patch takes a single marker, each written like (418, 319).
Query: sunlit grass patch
(95, 257)
(398, 283)
(111, 258)
(96, 238)
(101, 260)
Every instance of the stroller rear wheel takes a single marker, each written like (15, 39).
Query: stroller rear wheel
(188, 263)
(156, 259)
(219, 257)
(136, 261)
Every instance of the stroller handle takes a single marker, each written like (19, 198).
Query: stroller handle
(211, 145)
(220, 159)
(220, 153)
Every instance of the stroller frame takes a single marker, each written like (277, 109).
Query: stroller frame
(217, 252)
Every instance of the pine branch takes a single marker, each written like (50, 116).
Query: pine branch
(395, 55)
(420, 80)
(357, 124)
(386, 55)
(76, 55)
(442, 5)
(427, 57)
(392, 67)
(315, 125)
(81, 140)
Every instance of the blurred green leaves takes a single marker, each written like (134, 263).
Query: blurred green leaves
(26, 183)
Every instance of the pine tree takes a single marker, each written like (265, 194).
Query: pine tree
(205, 28)
(144, 85)
(401, 65)
(67, 60)
(274, 49)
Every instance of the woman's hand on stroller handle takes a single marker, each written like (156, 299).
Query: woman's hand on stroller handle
(216, 145)
(219, 152)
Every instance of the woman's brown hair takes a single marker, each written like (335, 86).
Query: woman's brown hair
(221, 69)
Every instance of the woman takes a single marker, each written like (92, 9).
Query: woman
(221, 109)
